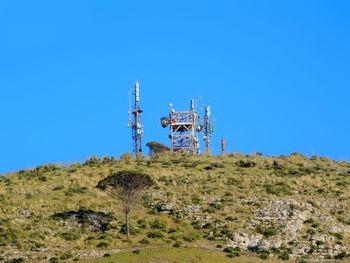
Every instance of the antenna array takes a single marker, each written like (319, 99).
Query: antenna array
(135, 119)
(185, 127)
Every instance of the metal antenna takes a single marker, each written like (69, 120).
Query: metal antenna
(135, 120)
(208, 129)
(184, 129)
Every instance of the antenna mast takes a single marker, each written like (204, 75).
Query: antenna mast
(208, 129)
(135, 120)
(184, 129)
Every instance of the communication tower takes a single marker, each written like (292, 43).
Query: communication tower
(208, 129)
(135, 119)
(184, 129)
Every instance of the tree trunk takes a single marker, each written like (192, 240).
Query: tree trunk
(127, 223)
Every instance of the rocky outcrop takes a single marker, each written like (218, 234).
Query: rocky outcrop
(96, 221)
(294, 226)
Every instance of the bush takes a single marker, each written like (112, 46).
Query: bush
(93, 160)
(195, 200)
(341, 255)
(157, 224)
(266, 231)
(144, 241)
(172, 230)
(142, 223)
(76, 189)
(157, 148)
(132, 230)
(42, 178)
(284, 255)
(232, 251)
(280, 188)
(177, 243)
(246, 164)
(264, 254)
(15, 260)
(53, 260)
(127, 158)
(102, 245)
(70, 235)
(230, 218)
(39, 170)
(57, 188)
(338, 236)
(66, 255)
(192, 237)
(155, 234)
(303, 260)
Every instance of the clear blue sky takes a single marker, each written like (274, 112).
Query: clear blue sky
(276, 73)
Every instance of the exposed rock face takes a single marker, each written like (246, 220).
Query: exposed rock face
(97, 221)
(244, 240)
(297, 232)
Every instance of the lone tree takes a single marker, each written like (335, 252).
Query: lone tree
(128, 187)
(157, 148)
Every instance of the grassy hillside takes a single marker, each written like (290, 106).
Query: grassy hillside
(284, 207)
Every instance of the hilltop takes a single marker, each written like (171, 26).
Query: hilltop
(279, 208)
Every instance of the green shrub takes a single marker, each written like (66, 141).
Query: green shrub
(341, 255)
(93, 160)
(172, 230)
(338, 236)
(177, 243)
(158, 224)
(144, 241)
(132, 230)
(309, 221)
(266, 231)
(39, 170)
(42, 178)
(102, 245)
(157, 149)
(127, 158)
(280, 188)
(66, 255)
(232, 251)
(70, 235)
(303, 260)
(246, 164)
(192, 237)
(57, 188)
(217, 205)
(195, 199)
(76, 189)
(284, 255)
(53, 260)
(142, 223)
(264, 254)
(155, 234)
(15, 260)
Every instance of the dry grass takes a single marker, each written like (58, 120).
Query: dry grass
(218, 184)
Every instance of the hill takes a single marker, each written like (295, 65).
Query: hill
(280, 208)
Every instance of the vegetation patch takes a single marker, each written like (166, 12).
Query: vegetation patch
(280, 188)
